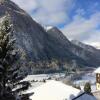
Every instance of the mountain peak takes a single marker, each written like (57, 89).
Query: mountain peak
(48, 28)
(38, 44)
(76, 42)
(54, 30)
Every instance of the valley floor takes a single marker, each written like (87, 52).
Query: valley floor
(37, 80)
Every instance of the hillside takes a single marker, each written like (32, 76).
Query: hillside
(89, 54)
(45, 50)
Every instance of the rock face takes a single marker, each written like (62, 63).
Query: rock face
(63, 46)
(29, 34)
(31, 37)
(37, 44)
(84, 46)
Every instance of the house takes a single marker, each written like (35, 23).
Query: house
(97, 71)
(54, 90)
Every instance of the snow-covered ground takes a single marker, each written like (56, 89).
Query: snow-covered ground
(37, 80)
(54, 90)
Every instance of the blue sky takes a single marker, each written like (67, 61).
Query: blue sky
(77, 19)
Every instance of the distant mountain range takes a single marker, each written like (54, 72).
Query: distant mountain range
(87, 53)
(37, 44)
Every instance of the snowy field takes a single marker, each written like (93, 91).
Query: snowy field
(37, 80)
(54, 90)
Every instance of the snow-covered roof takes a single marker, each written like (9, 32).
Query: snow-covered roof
(97, 70)
(54, 90)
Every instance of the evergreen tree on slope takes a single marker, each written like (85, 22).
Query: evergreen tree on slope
(9, 75)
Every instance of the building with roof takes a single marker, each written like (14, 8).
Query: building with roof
(97, 71)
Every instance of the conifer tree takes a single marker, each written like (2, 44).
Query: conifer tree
(9, 74)
(87, 88)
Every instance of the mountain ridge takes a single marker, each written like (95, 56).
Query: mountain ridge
(85, 54)
(38, 44)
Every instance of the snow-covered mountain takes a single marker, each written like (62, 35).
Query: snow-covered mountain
(48, 27)
(37, 44)
(85, 46)
(89, 54)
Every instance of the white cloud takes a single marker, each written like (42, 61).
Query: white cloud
(50, 18)
(81, 26)
(27, 5)
(49, 12)
(94, 44)
(55, 12)
(94, 39)
(84, 30)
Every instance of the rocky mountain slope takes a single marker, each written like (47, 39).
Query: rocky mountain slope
(39, 45)
(92, 54)
(85, 46)
(88, 53)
